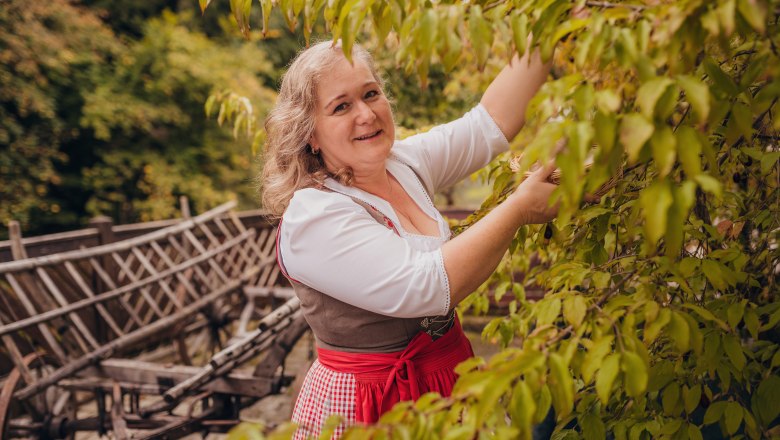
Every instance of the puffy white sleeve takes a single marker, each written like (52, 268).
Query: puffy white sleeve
(332, 244)
(450, 152)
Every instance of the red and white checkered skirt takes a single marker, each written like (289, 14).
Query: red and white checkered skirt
(324, 393)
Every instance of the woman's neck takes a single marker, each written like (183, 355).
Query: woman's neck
(378, 183)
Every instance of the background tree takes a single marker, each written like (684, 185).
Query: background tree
(661, 314)
(98, 119)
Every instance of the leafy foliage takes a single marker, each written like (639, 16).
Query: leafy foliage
(661, 317)
(99, 123)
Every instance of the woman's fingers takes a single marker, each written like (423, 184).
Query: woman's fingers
(542, 174)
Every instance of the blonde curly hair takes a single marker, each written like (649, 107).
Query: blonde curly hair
(290, 164)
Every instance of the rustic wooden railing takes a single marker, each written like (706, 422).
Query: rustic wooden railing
(91, 319)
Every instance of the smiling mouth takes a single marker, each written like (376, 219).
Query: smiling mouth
(369, 136)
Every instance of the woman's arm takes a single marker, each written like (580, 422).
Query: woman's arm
(507, 97)
(472, 256)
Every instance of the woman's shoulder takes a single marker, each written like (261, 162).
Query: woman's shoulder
(310, 203)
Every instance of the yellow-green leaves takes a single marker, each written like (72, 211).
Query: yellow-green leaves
(689, 150)
(574, 309)
(679, 332)
(561, 386)
(522, 408)
(241, 10)
(698, 95)
(480, 34)
(635, 130)
(606, 377)
(664, 147)
(636, 375)
(649, 93)
(519, 31)
(655, 201)
(754, 12)
(547, 310)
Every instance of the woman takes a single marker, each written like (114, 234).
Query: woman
(368, 254)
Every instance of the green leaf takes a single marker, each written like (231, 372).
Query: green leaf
(428, 26)
(608, 101)
(635, 130)
(754, 12)
(679, 332)
(547, 311)
(655, 201)
(574, 309)
(670, 398)
(605, 130)
(691, 398)
(266, 6)
(543, 404)
(768, 161)
(652, 329)
(694, 433)
(698, 95)
(733, 349)
(519, 31)
(689, 150)
(636, 375)
(664, 146)
(734, 313)
(480, 34)
(726, 13)
(592, 426)
(522, 407)
(709, 184)
(593, 358)
(721, 81)
(241, 10)
(751, 322)
(649, 93)
(562, 386)
(768, 404)
(733, 417)
(714, 412)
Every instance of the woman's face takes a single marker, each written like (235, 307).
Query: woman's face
(353, 121)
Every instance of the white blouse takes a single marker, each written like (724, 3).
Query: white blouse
(332, 244)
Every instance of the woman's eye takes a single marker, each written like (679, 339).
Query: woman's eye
(372, 93)
(341, 107)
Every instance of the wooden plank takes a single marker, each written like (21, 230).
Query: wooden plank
(45, 332)
(31, 263)
(125, 341)
(156, 378)
(118, 414)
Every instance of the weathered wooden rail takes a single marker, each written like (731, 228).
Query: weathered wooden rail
(86, 324)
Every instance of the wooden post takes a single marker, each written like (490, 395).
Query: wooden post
(184, 206)
(15, 235)
(105, 235)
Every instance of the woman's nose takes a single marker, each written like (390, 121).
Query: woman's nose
(365, 114)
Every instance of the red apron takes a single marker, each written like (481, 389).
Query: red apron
(383, 379)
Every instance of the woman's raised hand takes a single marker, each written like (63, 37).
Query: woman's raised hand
(534, 196)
